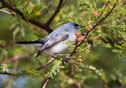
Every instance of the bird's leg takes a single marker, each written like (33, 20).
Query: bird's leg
(39, 52)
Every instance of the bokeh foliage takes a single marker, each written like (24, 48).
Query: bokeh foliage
(99, 63)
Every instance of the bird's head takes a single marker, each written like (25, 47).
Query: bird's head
(72, 27)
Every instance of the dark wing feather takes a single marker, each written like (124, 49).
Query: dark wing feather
(54, 40)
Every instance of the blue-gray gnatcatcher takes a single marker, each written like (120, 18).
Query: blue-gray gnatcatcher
(54, 43)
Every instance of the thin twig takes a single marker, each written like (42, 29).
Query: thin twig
(7, 12)
(104, 6)
(45, 65)
(11, 74)
(55, 12)
(46, 81)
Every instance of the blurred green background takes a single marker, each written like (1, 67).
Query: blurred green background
(95, 65)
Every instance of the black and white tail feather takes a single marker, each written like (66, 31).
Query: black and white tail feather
(38, 44)
(34, 43)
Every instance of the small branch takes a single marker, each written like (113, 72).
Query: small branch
(41, 25)
(7, 12)
(55, 12)
(13, 8)
(11, 74)
(32, 21)
(104, 6)
(106, 15)
(45, 65)
(46, 82)
(6, 73)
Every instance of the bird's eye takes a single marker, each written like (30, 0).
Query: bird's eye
(77, 27)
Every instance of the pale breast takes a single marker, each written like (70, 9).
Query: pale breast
(56, 49)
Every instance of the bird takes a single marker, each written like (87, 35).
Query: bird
(55, 42)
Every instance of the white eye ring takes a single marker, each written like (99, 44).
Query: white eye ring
(77, 27)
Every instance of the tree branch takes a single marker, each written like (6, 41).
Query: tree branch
(45, 65)
(55, 12)
(7, 12)
(104, 6)
(11, 74)
(6, 73)
(46, 81)
(32, 21)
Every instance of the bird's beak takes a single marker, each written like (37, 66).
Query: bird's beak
(82, 26)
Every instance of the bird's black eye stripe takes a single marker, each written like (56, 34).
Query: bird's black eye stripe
(76, 25)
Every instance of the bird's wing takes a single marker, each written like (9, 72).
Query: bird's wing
(52, 41)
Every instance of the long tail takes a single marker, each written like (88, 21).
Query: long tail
(34, 43)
